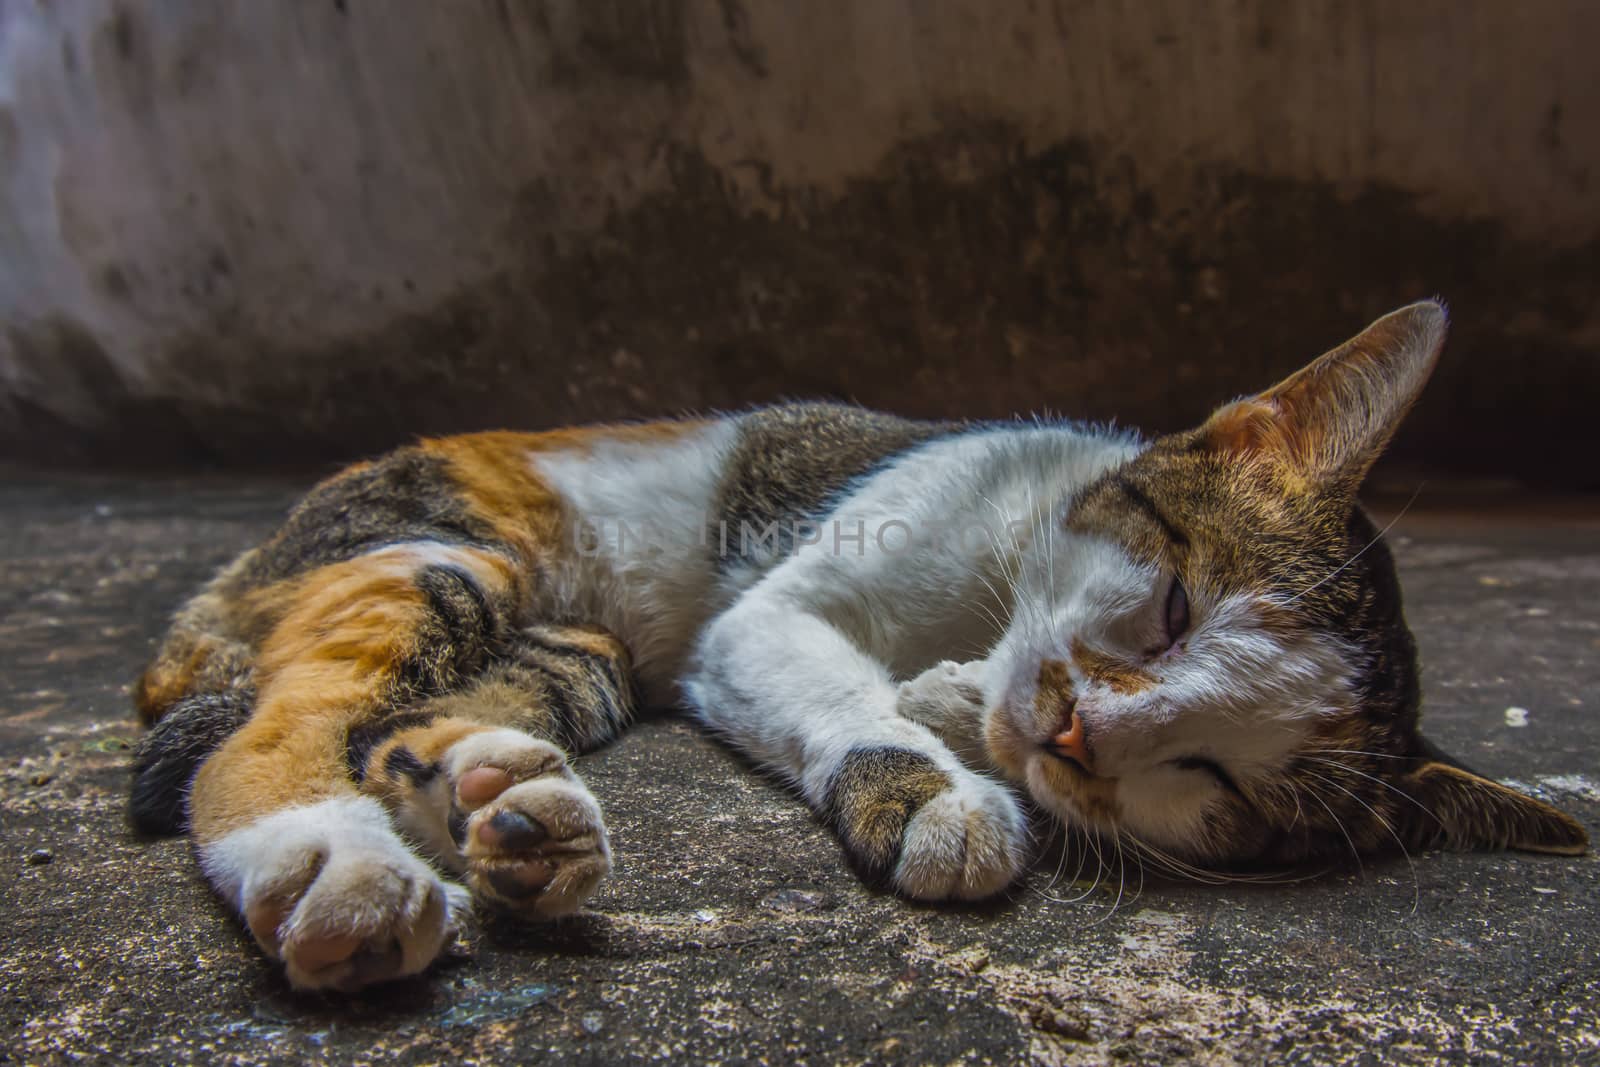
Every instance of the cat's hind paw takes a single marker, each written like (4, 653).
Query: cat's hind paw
(948, 699)
(331, 891)
(944, 690)
(529, 834)
(538, 849)
(502, 808)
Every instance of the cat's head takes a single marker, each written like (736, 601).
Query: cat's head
(1209, 653)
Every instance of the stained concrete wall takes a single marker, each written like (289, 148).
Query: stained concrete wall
(251, 232)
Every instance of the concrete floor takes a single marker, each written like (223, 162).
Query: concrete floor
(731, 931)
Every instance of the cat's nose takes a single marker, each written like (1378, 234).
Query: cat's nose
(1072, 742)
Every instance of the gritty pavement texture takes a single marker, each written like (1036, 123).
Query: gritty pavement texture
(731, 931)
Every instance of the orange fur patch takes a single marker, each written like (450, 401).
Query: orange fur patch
(500, 485)
(1115, 674)
(332, 656)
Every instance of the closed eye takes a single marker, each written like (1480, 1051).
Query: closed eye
(1174, 619)
(1211, 767)
(1176, 612)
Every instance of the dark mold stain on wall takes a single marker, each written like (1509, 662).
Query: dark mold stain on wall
(965, 278)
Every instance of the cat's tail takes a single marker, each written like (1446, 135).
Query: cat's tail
(194, 695)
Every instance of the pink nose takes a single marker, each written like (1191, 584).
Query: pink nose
(1072, 743)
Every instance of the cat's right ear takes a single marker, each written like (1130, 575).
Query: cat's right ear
(1454, 808)
(1326, 424)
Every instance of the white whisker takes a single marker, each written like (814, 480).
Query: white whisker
(1379, 537)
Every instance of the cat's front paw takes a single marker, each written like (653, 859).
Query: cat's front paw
(331, 891)
(948, 699)
(968, 843)
(931, 833)
(946, 685)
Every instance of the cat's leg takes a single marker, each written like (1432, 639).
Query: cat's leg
(315, 867)
(786, 685)
(478, 778)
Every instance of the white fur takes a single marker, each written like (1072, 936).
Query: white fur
(521, 754)
(645, 576)
(343, 873)
(803, 667)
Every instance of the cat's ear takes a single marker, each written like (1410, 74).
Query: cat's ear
(1327, 423)
(1456, 808)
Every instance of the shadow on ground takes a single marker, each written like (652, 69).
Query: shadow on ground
(731, 931)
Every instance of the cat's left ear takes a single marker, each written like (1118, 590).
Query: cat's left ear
(1455, 808)
(1327, 423)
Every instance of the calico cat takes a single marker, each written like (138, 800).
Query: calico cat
(1193, 643)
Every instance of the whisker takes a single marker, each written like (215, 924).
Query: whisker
(1294, 794)
(1374, 778)
(982, 610)
(1379, 537)
(1014, 576)
(1083, 857)
(1061, 864)
(1361, 752)
(1348, 839)
(1189, 871)
(1176, 867)
(1416, 885)
(1085, 841)
(1122, 876)
(1099, 866)
(1044, 539)
(1045, 545)
(1137, 858)
(1000, 557)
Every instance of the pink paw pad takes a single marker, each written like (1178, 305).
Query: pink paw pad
(480, 785)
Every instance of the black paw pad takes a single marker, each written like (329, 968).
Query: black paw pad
(512, 831)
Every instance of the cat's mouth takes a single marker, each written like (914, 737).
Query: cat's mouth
(1089, 796)
(1067, 760)
(1055, 771)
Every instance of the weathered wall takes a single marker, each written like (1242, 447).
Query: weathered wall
(255, 232)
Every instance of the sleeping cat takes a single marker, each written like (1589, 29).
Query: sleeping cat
(1194, 644)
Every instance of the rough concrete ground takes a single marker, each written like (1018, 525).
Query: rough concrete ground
(731, 931)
